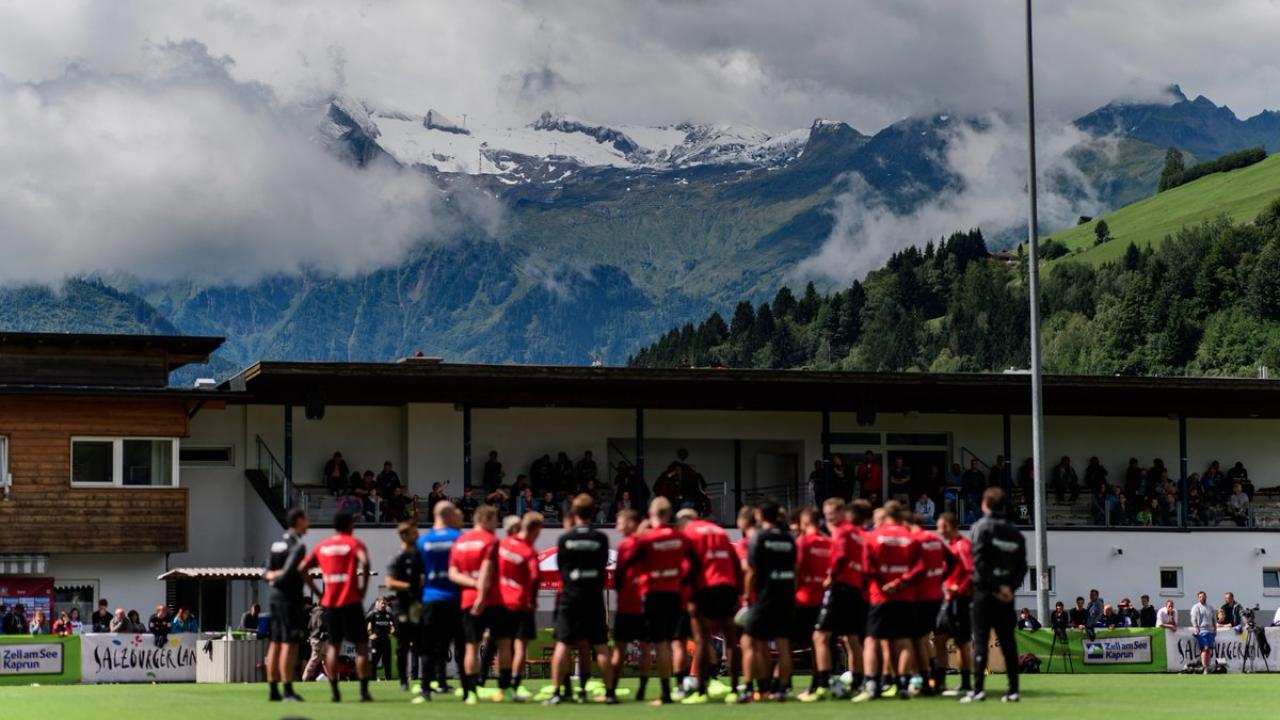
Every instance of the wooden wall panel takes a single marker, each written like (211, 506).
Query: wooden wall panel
(46, 515)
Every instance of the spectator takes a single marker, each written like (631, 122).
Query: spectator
(38, 625)
(1147, 516)
(932, 484)
(6, 620)
(1080, 616)
(627, 481)
(373, 503)
(62, 626)
(1060, 619)
(1026, 484)
(1027, 621)
(565, 482)
(1238, 505)
(1167, 616)
(1237, 474)
(955, 478)
(1132, 475)
(623, 502)
(436, 495)
(900, 481)
(467, 504)
(541, 474)
(999, 475)
(1096, 607)
(548, 507)
(499, 499)
(493, 474)
(1129, 615)
(1213, 483)
(400, 507)
(818, 483)
(17, 624)
(587, 470)
(335, 474)
(971, 486)
(120, 623)
(925, 508)
(159, 622)
(77, 627)
(387, 480)
(101, 618)
(1206, 633)
(1095, 476)
(184, 622)
(1066, 484)
(1223, 622)
(1197, 513)
(1147, 613)
(1234, 611)
(869, 475)
(135, 622)
(1110, 619)
(524, 501)
(249, 620)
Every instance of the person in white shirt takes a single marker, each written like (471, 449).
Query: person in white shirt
(925, 508)
(1203, 623)
(1167, 617)
(1275, 621)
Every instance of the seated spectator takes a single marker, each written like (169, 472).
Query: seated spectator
(623, 502)
(1197, 513)
(549, 508)
(77, 627)
(932, 483)
(493, 473)
(1167, 617)
(387, 480)
(335, 474)
(1129, 615)
(1110, 619)
(565, 480)
(999, 474)
(1146, 516)
(1146, 613)
(1238, 505)
(1223, 622)
(925, 508)
(1213, 483)
(135, 622)
(400, 507)
(525, 501)
(249, 620)
(1027, 621)
(101, 618)
(1066, 484)
(1237, 474)
(467, 504)
(62, 626)
(521, 484)
(955, 478)
(184, 622)
(159, 622)
(372, 504)
(587, 470)
(120, 623)
(1079, 616)
(1233, 610)
(498, 498)
(436, 495)
(38, 625)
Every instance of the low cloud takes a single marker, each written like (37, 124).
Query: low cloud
(177, 170)
(991, 164)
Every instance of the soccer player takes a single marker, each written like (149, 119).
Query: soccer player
(771, 574)
(518, 580)
(473, 566)
(999, 564)
(344, 568)
(404, 578)
(891, 553)
(381, 625)
(933, 566)
(813, 565)
(441, 612)
(717, 589)
(583, 556)
(628, 621)
(957, 597)
(844, 604)
(288, 618)
(742, 548)
(662, 555)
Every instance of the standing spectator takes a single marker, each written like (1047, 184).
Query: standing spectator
(387, 480)
(335, 474)
(971, 486)
(184, 622)
(38, 625)
(493, 473)
(1206, 630)
(318, 637)
(1060, 619)
(6, 620)
(1237, 474)
(818, 483)
(587, 470)
(1233, 610)
(869, 475)
(1027, 621)
(1238, 505)
(542, 475)
(999, 475)
(900, 481)
(1096, 607)
(925, 508)
(955, 477)
(101, 618)
(1167, 616)
(627, 481)
(1066, 484)
(1147, 613)
(565, 482)
(1095, 476)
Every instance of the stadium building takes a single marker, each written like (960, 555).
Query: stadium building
(112, 478)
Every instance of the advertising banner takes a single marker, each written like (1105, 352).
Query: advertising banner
(1130, 650)
(42, 659)
(107, 658)
(33, 593)
(1239, 650)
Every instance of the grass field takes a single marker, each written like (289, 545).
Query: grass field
(1045, 697)
(1240, 194)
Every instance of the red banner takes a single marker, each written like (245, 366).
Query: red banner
(33, 593)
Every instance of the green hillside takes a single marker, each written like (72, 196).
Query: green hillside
(1239, 194)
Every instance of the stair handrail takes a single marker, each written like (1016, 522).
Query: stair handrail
(272, 466)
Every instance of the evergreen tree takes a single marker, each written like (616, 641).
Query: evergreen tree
(1173, 169)
(1101, 233)
(807, 310)
(784, 303)
(744, 317)
(1132, 258)
(1264, 284)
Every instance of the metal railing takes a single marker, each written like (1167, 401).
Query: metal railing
(278, 481)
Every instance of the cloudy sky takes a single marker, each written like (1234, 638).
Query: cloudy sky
(159, 127)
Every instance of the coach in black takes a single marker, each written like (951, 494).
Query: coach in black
(288, 617)
(999, 564)
(404, 576)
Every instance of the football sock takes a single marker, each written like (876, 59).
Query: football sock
(666, 689)
(333, 686)
(288, 689)
(964, 679)
(515, 681)
(504, 679)
(275, 691)
(644, 683)
(364, 686)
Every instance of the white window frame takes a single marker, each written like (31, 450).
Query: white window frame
(117, 460)
(1173, 592)
(1266, 591)
(1027, 591)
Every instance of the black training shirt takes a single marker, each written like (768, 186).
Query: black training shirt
(407, 566)
(582, 555)
(772, 556)
(287, 554)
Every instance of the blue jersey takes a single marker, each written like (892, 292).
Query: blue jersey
(434, 547)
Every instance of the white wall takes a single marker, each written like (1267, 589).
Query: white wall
(217, 495)
(433, 443)
(126, 580)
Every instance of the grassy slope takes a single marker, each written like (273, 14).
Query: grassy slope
(1132, 697)
(1240, 194)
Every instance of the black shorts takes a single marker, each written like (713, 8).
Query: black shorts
(629, 627)
(770, 622)
(890, 621)
(346, 624)
(662, 613)
(288, 621)
(407, 632)
(521, 624)
(582, 622)
(926, 612)
(493, 619)
(844, 611)
(802, 627)
(955, 619)
(716, 603)
(684, 626)
(441, 622)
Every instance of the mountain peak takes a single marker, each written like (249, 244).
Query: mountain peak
(435, 120)
(1174, 91)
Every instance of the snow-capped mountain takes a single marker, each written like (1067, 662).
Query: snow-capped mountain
(525, 153)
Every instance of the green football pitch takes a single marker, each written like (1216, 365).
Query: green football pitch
(1045, 697)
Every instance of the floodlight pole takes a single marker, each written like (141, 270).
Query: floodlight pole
(1037, 407)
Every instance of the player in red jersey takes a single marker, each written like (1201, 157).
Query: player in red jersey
(891, 553)
(934, 564)
(716, 591)
(844, 605)
(661, 552)
(518, 580)
(955, 622)
(628, 621)
(473, 566)
(813, 564)
(344, 570)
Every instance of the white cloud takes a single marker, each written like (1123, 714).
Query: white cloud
(178, 170)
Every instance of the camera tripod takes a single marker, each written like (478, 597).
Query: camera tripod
(1253, 650)
(1066, 651)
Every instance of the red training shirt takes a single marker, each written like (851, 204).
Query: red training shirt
(469, 552)
(339, 558)
(813, 563)
(631, 589)
(662, 553)
(891, 553)
(931, 568)
(720, 563)
(848, 555)
(960, 581)
(518, 574)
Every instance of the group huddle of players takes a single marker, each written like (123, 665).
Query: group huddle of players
(877, 584)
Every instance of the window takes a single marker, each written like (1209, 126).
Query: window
(1271, 581)
(124, 462)
(1033, 581)
(1170, 581)
(222, 456)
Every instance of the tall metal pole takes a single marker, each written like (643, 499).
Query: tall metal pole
(1033, 286)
